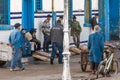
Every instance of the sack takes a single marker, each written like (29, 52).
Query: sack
(5, 52)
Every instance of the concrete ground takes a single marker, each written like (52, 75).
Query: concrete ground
(41, 70)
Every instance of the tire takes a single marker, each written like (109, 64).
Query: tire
(114, 67)
(101, 67)
(84, 61)
(2, 63)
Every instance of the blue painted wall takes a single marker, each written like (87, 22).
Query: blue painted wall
(109, 18)
(28, 14)
(114, 19)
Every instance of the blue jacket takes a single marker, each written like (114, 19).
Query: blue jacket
(96, 47)
(15, 38)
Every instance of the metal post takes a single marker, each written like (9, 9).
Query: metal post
(53, 14)
(66, 54)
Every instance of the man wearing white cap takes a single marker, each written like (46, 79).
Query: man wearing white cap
(95, 47)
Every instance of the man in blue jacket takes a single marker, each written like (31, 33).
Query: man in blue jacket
(96, 47)
(15, 42)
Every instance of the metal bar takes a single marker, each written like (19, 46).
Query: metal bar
(66, 53)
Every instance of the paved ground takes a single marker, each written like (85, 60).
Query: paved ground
(39, 70)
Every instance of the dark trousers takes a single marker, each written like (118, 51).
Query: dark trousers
(46, 43)
(94, 66)
(57, 46)
(76, 39)
(37, 46)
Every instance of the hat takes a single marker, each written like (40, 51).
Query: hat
(48, 15)
(96, 14)
(17, 25)
(74, 17)
(33, 30)
(22, 29)
(61, 17)
(97, 28)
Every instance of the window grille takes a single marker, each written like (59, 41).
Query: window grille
(38, 5)
(4, 12)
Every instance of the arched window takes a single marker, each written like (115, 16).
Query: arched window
(88, 13)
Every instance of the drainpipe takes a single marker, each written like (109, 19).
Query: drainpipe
(107, 24)
(66, 54)
(53, 14)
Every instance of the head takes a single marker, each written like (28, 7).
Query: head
(58, 22)
(74, 18)
(48, 17)
(33, 31)
(97, 28)
(96, 15)
(23, 30)
(17, 26)
(61, 17)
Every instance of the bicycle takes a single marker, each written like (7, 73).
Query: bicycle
(109, 64)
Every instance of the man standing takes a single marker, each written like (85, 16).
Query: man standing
(75, 31)
(96, 47)
(15, 41)
(46, 33)
(57, 41)
(94, 21)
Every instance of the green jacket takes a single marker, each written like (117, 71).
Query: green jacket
(75, 27)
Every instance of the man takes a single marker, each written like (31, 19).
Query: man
(96, 47)
(94, 21)
(75, 31)
(57, 41)
(46, 33)
(26, 47)
(35, 40)
(15, 41)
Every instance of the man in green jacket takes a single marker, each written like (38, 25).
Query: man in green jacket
(75, 31)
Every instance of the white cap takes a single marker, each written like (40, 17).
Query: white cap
(97, 28)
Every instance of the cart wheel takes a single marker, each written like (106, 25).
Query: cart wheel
(2, 63)
(84, 61)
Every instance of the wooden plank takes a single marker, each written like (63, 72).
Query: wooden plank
(40, 57)
(41, 53)
(75, 50)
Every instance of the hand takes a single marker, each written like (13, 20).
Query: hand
(9, 44)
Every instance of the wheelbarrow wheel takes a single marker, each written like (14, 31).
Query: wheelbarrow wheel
(2, 63)
(84, 61)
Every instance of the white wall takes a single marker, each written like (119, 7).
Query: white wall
(16, 6)
(78, 4)
(94, 4)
